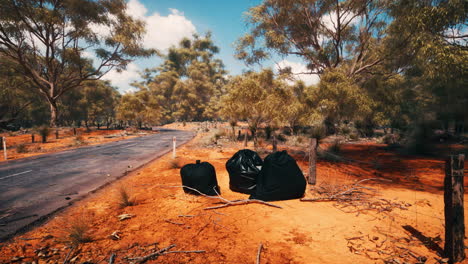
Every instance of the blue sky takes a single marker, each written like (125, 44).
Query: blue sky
(168, 21)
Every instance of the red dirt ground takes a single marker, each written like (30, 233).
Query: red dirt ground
(300, 232)
(65, 141)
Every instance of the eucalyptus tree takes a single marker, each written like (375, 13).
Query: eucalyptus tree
(325, 34)
(257, 97)
(50, 41)
(189, 82)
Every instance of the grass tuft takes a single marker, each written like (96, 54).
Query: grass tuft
(21, 148)
(175, 164)
(79, 231)
(124, 198)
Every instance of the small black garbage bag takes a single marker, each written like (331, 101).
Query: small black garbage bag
(200, 176)
(279, 179)
(243, 169)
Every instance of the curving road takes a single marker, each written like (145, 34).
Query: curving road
(33, 188)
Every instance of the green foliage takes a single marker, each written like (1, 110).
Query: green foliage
(318, 132)
(256, 98)
(188, 84)
(326, 34)
(47, 42)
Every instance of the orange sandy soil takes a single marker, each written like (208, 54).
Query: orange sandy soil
(300, 232)
(65, 141)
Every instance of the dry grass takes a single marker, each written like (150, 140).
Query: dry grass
(79, 231)
(175, 164)
(124, 198)
(21, 148)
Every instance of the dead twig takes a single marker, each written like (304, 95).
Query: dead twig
(226, 201)
(112, 258)
(174, 223)
(185, 251)
(150, 256)
(260, 247)
(161, 252)
(68, 255)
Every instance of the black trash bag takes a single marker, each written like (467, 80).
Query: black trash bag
(200, 176)
(243, 169)
(279, 179)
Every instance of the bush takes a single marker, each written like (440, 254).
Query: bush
(335, 147)
(21, 148)
(354, 136)
(318, 132)
(44, 132)
(390, 139)
(419, 140)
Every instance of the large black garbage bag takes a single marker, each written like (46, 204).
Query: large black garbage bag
(279, 179)
(200, 176)
(243, 169)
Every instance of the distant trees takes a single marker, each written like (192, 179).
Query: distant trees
(188, 84)
(381, 63)
(48, 41)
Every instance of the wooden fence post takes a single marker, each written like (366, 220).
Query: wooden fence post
(454, 248)
(4, 148)
(312, 179)
(32, 138)
(74, 131)
(174, 145)
(275, 147)
(245, 138)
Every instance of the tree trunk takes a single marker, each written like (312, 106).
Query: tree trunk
(53, 113)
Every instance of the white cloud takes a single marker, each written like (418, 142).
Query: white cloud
(162, 31)
(136, 9)
(123, 79)
(298, 70)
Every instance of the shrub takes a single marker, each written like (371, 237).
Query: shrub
(318, 132)
(354, 136)
(44, 132)
(21, 148)
(419, 140)
(390, 139)
(335, 147)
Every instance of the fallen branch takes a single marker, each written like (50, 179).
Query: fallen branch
(260, 247)
(150, 256)
(112, 258)
(68, 255)
(226, 201)
(161, 252)
(185, 251)
(174, 223)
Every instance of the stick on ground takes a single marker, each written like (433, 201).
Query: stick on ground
(226, 201)
(260, 247)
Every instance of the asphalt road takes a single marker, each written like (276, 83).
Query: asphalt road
(33, 188)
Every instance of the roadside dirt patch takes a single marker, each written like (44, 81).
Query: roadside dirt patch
(300, 232)
(21, 146)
